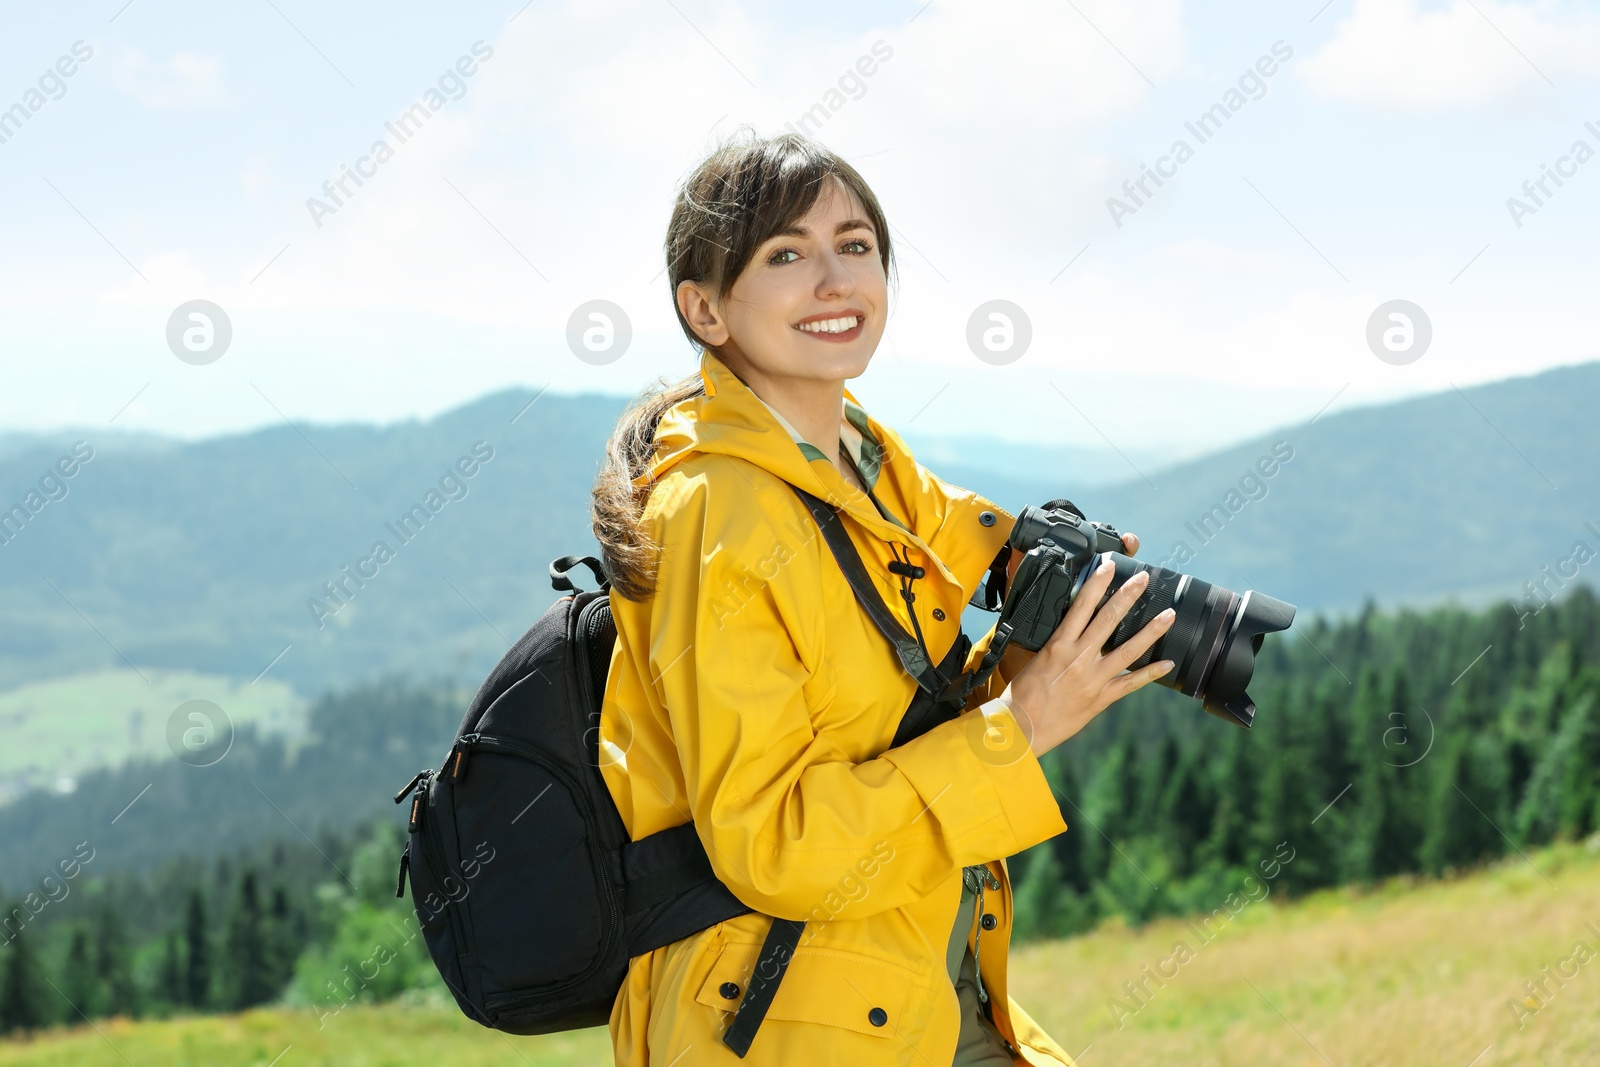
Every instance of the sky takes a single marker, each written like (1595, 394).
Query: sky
(1357, 153)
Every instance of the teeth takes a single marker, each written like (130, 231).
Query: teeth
(831, 325)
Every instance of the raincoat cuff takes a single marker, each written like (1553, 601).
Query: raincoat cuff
(983, 782)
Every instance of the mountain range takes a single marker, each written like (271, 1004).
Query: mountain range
(235, 555)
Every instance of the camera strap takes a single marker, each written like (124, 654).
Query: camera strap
(913, 656)
(993, 588)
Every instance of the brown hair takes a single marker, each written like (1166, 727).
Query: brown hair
(744, 192)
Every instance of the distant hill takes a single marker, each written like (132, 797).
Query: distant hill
(1457, 496)
(214, 556)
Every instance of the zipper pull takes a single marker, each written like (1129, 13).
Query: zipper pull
(415, 824)
(398, 797)
(405, 861)
(457, 759)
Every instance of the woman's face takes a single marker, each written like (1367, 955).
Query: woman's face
(783, 315)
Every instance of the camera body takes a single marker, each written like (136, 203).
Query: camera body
(1212, 640)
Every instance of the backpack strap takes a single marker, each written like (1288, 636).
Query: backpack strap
(782, 937)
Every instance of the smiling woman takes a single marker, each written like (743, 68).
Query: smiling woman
(751, 694)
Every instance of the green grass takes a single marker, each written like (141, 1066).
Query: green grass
(1410, 973)
(58, 729)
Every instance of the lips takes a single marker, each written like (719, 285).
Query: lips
(829, 331)
(831, 325)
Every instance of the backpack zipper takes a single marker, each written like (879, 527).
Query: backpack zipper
(439, 869)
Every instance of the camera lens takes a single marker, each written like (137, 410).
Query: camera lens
(1213, 640)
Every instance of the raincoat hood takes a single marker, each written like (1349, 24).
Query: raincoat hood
(731, 420)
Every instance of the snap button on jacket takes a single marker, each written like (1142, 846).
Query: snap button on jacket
(752, 695)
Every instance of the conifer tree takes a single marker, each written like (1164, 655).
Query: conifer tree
(246, 966)
(281, 945)
(1069, 847)
(113, 961)
(1037, 894)
(80, 982)
(1184, 814)
(171, 984)
(1367, 810)
(22, 1004)
(197, 953)
(1466, 807)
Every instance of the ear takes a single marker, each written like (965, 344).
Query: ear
(700, 312)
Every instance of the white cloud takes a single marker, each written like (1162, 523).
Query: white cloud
(187, 80)
(1389, 55)
(572, 154)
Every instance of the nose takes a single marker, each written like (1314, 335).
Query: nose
(836, 280)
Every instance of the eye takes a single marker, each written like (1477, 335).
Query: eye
(773, 260)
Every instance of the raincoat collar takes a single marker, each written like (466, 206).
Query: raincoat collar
(730, 419)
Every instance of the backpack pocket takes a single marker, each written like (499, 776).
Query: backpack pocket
(556, 909)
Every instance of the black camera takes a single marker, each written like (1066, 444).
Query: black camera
(1212, 642)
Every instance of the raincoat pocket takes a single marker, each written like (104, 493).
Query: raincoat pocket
(830, 986)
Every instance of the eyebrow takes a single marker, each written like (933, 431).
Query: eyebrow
(798, 230)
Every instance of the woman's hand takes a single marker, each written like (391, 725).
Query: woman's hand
(1070, 680)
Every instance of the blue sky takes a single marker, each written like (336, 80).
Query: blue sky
(1373, 164)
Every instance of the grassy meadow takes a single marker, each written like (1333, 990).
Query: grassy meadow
(1409, 973)
(58, 729)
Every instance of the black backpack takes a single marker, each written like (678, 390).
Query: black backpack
(530, 895)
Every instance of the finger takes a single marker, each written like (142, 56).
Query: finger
(1098, 632)
(1124, 684)
(1083, 605)
(1141, 642)
(1130, 544)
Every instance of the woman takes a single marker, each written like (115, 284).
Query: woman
(750, 693)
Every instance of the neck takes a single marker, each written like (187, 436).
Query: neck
(812, 405)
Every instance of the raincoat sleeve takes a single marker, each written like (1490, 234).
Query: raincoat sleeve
(785, 815)
(968, 549)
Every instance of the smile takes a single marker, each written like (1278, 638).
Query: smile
(845, 328)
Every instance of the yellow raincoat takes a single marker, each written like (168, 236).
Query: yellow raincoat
(754, 696)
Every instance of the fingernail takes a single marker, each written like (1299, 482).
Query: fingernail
(1166, 616)
(1105, 565)
(1166, 665)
